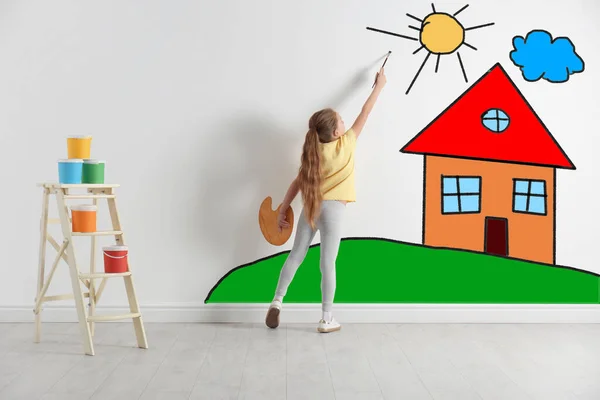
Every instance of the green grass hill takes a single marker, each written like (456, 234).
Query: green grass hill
(386, 271)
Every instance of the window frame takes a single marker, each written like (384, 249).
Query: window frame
(458, 194)
(497, 119)
(529, 195)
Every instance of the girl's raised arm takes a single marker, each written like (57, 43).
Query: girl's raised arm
(361, 120)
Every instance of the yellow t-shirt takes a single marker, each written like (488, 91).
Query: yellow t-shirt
(337, 166)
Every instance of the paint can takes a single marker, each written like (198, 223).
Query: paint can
(79, 146)
(115, 259)
(83, 218)
(93, 171)
(69, 171)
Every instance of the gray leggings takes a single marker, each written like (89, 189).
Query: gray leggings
(330, 226)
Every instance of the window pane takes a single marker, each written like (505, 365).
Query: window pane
(491, 114)
(520, 203)
(537, 205)
(521, 187)
(469, 203)
(469, 185)
(491, 124)
(503, 124)
(538, 187)
(449, 185)
(450, 204)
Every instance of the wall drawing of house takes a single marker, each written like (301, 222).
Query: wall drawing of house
(490, 174)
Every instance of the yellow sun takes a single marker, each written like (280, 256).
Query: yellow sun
(440, 34)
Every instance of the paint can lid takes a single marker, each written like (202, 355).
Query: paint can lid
(71, 160)
(115, 248)
(84, 207)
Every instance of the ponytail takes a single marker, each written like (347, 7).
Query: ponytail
(310, 177)
(321, 128)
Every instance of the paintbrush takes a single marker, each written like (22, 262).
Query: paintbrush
(384, 61)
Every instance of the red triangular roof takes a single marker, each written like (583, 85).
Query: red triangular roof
(458, 130)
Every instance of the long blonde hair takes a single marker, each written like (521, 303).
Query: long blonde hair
(321, 128)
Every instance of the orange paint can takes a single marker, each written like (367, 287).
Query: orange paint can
(83, 218)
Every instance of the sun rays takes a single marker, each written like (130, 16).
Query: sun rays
(439, 34)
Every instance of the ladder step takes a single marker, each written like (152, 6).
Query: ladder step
(89, 196)
(78, 185)
(101, 318)
(98, 233)
(98, 275)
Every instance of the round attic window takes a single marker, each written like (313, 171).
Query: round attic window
(495, 120)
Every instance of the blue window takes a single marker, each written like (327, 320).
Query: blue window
(461, 194)
(529, 196)
(495, 120)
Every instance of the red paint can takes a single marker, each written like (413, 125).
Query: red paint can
(115, 259)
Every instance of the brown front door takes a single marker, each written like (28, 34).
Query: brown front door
(496, 236)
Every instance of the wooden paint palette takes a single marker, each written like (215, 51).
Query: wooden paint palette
(267, 219)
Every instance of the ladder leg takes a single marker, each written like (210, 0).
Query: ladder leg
(92, 290)
(134, 307)
(42, 293)
(74, 272)
(138, 324)
(41, 262)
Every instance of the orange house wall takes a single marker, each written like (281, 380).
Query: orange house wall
(530, 236)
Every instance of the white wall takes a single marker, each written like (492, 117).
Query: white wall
(200, 109)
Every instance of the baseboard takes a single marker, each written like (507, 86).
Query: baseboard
(349, 313)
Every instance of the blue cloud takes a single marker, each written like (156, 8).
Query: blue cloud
(540, 57)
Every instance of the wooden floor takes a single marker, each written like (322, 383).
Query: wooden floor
(231, 361)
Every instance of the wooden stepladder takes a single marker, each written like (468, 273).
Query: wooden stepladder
(66, 252)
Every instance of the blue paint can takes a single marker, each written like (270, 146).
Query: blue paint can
(70, 171)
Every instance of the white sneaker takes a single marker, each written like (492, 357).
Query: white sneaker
(326, 327)
(272, 319)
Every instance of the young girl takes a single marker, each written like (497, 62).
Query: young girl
(326, 181)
